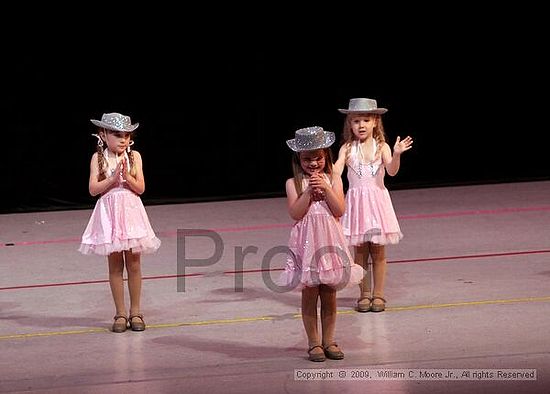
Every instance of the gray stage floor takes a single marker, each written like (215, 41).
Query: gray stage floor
(468, 291)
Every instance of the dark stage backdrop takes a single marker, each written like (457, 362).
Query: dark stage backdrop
(213, 124)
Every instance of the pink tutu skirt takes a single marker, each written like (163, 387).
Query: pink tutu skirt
(319, 255)
(118, 223)
(370, 217)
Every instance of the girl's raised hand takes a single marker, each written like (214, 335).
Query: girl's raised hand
(402, 146)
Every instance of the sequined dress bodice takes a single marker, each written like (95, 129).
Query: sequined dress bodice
(361, 173)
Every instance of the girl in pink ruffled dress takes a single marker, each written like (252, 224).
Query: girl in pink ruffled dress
(319, 262)
(369, 221)
(119, 227)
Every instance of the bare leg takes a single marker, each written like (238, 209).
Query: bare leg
(378, 253)
(309, 317)
(133, 267)
(361, 257)
(328, 313)
(116, 281)
(328, 322)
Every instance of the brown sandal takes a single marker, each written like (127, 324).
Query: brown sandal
(118, 326)
(378, 307)
(316, 356)
(333, 355)
(137, 326)
(364, 304)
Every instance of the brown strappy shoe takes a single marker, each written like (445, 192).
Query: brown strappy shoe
(378, 307)
(316, 356)
(137, 325)
(120, 326)
(333, 354)
(364, 303)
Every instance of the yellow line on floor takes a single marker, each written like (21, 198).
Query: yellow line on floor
(53, 333)
(211, 322)
(456, 304)
(269, 318)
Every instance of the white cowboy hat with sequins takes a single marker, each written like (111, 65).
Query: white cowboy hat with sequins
(363, 106)
(115, 121)
(311, 138)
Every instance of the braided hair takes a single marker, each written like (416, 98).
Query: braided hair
(101, 163)
(101, 159)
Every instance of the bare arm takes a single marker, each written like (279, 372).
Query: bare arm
(339, 165)
(297, 205)
(136, 183)
(393, 162)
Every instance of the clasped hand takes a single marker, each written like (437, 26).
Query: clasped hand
(121, 171)
(318, 187)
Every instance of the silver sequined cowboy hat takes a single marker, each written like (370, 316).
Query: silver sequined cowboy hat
(115, 121)
(363, 106)
(311, 138)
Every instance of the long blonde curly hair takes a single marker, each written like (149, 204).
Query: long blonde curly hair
(377, 133)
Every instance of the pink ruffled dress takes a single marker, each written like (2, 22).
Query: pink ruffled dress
(319, 253)
(118, 222)
(369, 215)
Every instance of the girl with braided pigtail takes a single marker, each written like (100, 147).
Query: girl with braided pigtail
(119, 227)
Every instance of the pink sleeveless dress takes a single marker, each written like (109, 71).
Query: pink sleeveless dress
(319, 253)
(369, 215)
(118, 222)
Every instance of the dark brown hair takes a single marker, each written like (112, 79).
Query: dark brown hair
(298, 171)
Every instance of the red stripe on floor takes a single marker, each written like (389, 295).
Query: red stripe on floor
(286, 225)
(425, 259)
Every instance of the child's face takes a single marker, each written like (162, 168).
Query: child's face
(362, 126)
(117, 141)
(312, 161)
